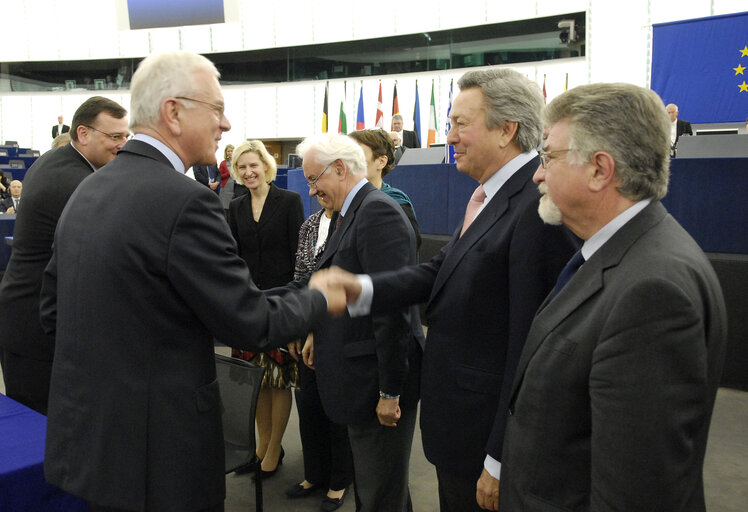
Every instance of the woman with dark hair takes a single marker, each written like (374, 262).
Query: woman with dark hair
(379, 151)
(265, 223)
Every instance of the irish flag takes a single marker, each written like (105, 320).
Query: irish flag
(432, 119)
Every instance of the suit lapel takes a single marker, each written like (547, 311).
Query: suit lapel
(585, 283)
(270, 208)
(484, 222)
(348, 219)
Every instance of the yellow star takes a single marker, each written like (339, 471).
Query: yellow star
(744, 51)
(739, 70)
(743, 86)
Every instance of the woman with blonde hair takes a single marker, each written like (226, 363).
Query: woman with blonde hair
(265, 223)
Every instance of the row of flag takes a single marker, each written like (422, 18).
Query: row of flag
(379, 118)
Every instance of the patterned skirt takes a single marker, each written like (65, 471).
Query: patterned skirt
(281, 370)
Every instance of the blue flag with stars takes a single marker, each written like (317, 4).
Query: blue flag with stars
(701, 65)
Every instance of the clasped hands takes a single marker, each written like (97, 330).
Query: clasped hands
(339, 287)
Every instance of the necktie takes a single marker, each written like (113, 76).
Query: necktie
(476, 201)
(15, 204)
(338, 222)
(568, 272)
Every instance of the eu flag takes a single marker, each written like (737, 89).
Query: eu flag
(701, 65)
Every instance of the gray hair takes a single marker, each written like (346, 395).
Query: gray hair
(331, 147)
(397, 116)
(161, 76)
(597, 115)
(509, 96)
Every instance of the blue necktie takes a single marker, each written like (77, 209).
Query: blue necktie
(568, 272)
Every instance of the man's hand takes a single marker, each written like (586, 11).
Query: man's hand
(213, 185)
(388, 411)
(294, 349)
(336, 276)
(334, 294)
(307, 353)
(10, 210)
(487, 491)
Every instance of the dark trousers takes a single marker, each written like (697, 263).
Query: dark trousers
(26, 380)
(457, 492)
(381, 457)
(97, 508)
(327, 452)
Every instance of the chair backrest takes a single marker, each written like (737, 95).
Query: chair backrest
(239, 382)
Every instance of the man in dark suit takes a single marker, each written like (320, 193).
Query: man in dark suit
(209, 176)
(614, 391)
(409, 138)
(60, 127)
(678, 127)
(144, 275)
(367, 368)
(10, 204)
(483, 287)
(99, 131)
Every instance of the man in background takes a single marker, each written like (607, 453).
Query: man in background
(10, 203)
(678, 127)
(209, 176)
(59, 128)
(409, 138)
(614, 391)
(99, 131)
(145, 275)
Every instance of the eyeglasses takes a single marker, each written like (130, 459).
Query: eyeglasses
(217, 109)
(116, 137)
(544, 160)
(313, 183)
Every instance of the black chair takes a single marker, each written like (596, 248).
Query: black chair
(239, 382)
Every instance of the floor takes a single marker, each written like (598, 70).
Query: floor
(725, 468)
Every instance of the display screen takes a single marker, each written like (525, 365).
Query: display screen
(174, 13)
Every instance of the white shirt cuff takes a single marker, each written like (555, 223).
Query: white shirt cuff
(493, 467)
(362, 306)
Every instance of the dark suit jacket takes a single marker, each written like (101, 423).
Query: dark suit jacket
(47, 187)
(616, 384)
(144, 275)
(410, 139)
(65, 129)
(681, 128)
(356, 358)
(6, 203)
(202, 174)
(268, 246)
(482, 291)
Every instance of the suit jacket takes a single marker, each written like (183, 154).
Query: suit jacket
(48, 185)
(6, 203)
(482, 290)
(55, 132)
(611, 405)
(356, 358)
(203, 174)
(410, 139)
(144, 275)
(681, 128)
(268, 246)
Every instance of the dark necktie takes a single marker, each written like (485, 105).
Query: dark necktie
(568, 272)
(338, 222)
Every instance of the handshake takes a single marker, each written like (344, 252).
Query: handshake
(339, 287)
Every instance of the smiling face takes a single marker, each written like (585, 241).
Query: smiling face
(252, 170)
(204, 120)
(97, 145)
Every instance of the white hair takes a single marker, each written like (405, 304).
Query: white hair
(161, 76)
(331, 147)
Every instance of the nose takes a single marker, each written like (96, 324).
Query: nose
(452, 136)
(539, 175)
(312, 191)
(225, 124)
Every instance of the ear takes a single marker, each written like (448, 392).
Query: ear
(507, 132)
(171, 116)
(603, 172)
(381, 162)
(83, 133)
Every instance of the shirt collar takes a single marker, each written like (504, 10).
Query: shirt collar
(497, 180)
(351, 195)
(606, 233)
(84, 157)
(169, 153)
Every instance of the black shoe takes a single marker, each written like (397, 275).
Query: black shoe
(299, 491)
(267, 474)
(250, 466)
(330, 504)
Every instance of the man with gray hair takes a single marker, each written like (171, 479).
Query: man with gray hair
(368, 367)
(482, 289)
(614, 391)
(408, 138)
(134, 419)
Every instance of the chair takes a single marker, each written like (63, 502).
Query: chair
(239, 382)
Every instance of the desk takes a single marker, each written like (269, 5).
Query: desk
(22, 484)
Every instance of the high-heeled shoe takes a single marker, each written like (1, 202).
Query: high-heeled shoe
(267, 474)
(249, 467)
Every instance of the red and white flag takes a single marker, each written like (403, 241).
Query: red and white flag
(380, 113)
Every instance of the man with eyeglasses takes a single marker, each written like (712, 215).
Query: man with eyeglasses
(367, 368)
(145, 275)
(99, 131)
